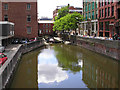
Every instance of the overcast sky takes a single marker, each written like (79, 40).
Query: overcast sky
(46, 7)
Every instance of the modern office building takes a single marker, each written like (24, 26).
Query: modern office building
(108, 18)
(23, 14)
(90, 13)
(71, 10)
(45, 27)
(6, 33)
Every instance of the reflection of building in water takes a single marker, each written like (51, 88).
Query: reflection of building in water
(97, 76)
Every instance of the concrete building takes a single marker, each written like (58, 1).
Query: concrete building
(45, 27)
(108, 18)
(6, 33)
(71, 10)
(90, 13)
(23, 14)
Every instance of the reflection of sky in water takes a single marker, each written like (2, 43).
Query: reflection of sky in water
(52, 76)
(48, 70)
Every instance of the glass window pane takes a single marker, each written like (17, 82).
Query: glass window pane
(28, 30)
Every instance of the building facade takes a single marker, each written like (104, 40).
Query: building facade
(90, 13)
(71, 10)
(108, 18)
(45, 27)
(6, 33)
(23, 15)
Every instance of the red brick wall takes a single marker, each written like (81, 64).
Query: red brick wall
(43, 32)
(17, 14)
(111, 19)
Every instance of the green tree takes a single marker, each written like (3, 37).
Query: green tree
(62, 12)
(68, 22)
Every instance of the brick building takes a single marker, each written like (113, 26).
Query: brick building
(45, 27)
(108, 18)
(90, 12)
(23, 15)
(71, 10)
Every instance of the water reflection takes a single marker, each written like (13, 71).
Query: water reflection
(67, 66)
(57, 67)
(48, 70)
(68, 58)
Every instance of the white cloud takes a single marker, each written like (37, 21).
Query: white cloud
(50, 73)
(47, 56)
(48, 70)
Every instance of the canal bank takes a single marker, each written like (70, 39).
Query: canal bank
(15, 52)
(110, 48)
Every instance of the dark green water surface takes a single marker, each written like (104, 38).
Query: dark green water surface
(66, 66)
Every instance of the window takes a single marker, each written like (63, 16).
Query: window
(105, 2)
(40, 31)
(89, 7)
(86, 16)
(101, 26)
(108, 11)
(102, 12)
(107, 26)
(111, 1)
(5, 17)
(112, 10)
(92, 5)
(102, 3)
(28, 30)
(96, 14)
(28, 6)
(28, 18)
(100, 34)
(96, 26)
(89, 15)
(5, 6)
(46, 25)
(96, 4)
(118, 14)
(46, 30)
(43, 25)
(92, 26)
(106, 34)
(86, 8)
(105, 12)
(49, 25)
(108, 1)
(92, 14)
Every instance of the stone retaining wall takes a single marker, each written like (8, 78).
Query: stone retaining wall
(106, 47)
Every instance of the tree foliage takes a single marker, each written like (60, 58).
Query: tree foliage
(62, 12)
(68, 22)
(67, 58)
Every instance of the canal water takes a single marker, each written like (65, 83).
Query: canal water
(66, 66)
